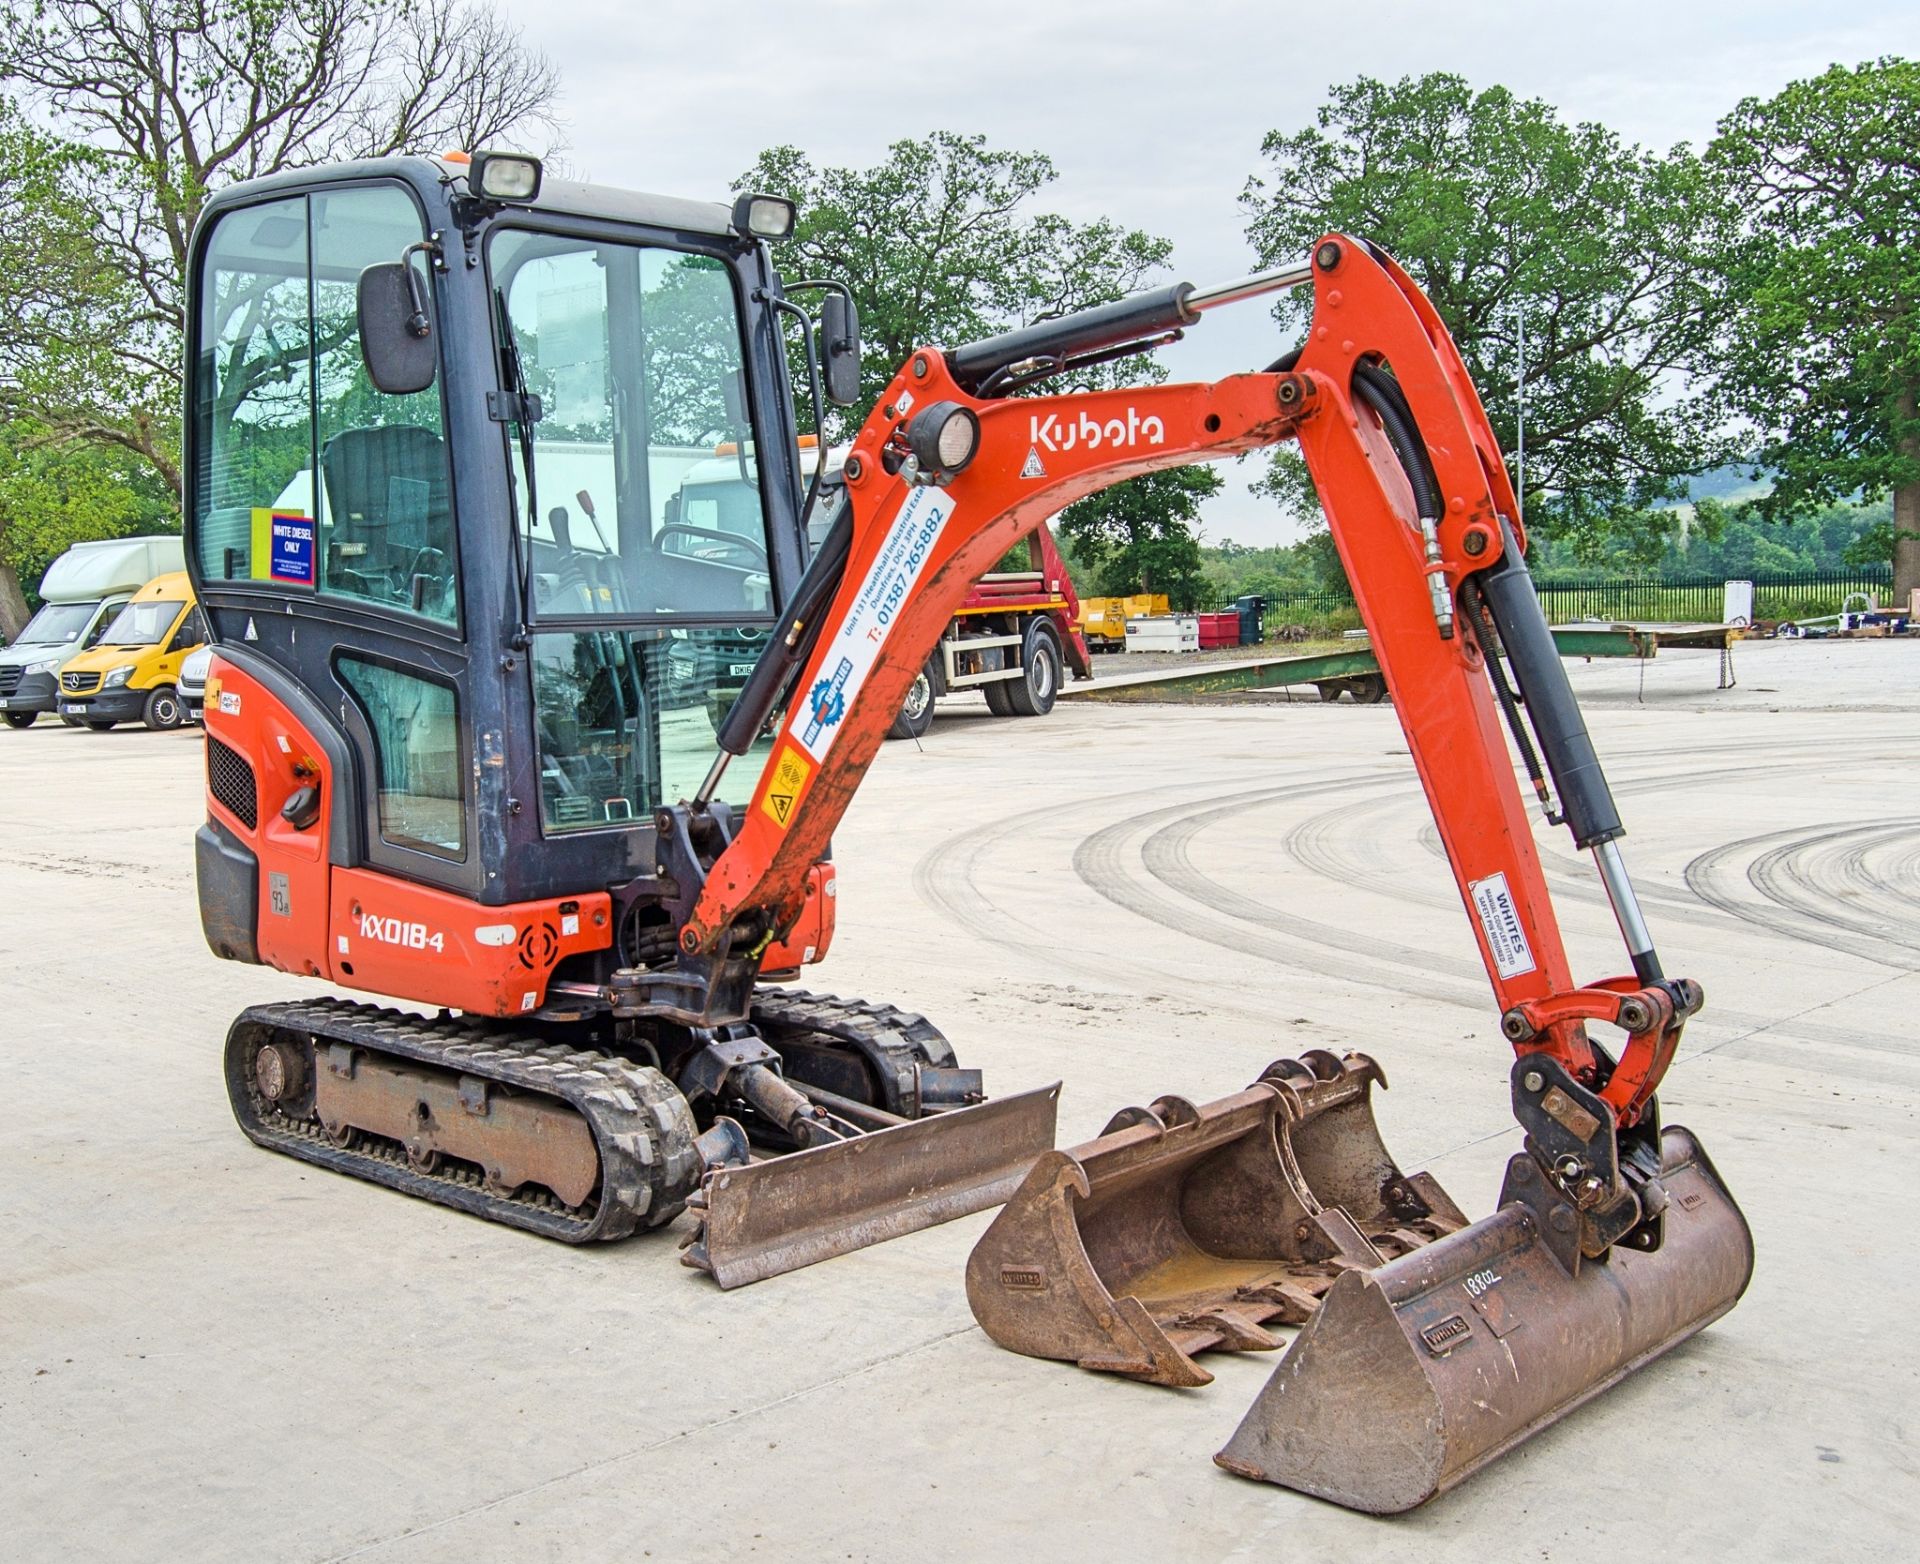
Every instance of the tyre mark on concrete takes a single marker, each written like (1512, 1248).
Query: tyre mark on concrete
(1295, 943)
(1800, 893)
(1166, 855)
(948, 878)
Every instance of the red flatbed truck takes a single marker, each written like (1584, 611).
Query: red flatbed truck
(1014, 639)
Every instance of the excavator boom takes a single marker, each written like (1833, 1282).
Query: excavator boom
(1166, 1236)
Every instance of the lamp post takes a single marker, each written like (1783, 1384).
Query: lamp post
(1520, 410)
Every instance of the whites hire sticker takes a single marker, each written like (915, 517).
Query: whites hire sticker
(1505, 938)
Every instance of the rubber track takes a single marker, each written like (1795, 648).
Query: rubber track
(891, 1041)
(641, 1125)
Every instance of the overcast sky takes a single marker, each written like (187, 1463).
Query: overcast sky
(1153, 114)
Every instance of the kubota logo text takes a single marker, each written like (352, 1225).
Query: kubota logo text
(1052, 433)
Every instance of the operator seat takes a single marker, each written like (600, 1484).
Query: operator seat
(388, 495)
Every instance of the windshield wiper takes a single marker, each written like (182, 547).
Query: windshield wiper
(520, 408)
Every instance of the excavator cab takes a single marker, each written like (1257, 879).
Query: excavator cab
(493, 551)
(473, 641)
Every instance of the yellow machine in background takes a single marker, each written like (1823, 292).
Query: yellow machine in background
(133, 674)
(1103, 620)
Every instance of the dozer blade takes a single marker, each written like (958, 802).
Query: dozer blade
(778, 1215)
(1182, 1230)
(1414, 1376)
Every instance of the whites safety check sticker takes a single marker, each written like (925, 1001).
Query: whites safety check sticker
(903, 556)
(1501, 923)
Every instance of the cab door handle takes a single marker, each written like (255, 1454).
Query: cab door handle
(302, 807)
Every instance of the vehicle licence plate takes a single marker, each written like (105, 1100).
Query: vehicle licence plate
(69, 709)
(740, 670)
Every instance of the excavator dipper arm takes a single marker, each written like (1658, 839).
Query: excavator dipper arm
(1613, 1239)
(1419, 505)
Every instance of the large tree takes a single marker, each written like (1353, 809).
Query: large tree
(64, 314)
(1141, 536)
(1823, 345)
(55, 494)
(1533, 237)
(939, 244)
(160, 102)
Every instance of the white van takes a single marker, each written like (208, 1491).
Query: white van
(80, 594)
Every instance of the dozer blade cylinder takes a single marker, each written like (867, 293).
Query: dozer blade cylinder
(1412, 1377)
(790, 1211)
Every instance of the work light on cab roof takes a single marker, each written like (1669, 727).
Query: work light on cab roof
(510, 177)
(764, 216)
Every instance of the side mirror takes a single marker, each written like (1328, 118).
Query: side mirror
(840, 349)
(396, 332)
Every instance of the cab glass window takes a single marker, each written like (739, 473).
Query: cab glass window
(627, 719)
(636, 355)
(57, 624)
(284, 396)
(192, 631)
(254, 360)
(142, 624)
(417, 751)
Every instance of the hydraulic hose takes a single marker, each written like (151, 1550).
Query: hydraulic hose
(792, 639)
(1585, 799)
(1381, 392)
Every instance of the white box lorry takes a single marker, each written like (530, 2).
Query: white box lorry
(79, 595)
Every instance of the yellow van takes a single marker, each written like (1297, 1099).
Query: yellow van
(134, 671)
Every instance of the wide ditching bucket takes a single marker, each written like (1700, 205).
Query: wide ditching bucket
(1186, 1229)
(1411, 1377)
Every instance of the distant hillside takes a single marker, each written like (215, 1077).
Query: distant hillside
(1730, 485)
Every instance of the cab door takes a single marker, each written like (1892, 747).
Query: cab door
(322, 535)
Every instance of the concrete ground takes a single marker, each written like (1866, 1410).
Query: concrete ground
(210, 1353)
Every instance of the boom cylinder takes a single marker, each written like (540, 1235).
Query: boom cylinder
(1586, 802)
(1554, 715)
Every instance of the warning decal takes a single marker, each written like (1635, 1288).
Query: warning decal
(789, 775)
(1506, 940)
(1033, 469)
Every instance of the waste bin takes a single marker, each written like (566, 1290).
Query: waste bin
(1252, 612)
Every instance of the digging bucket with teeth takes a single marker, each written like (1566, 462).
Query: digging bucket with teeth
(1184, 1229)
(1411, 1377)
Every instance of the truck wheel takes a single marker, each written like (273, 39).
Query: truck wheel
(1331, 689)
(916, 711)
(999, 702)
(163, 708)
(1370, 689)
(1034, 695)
(20, 719)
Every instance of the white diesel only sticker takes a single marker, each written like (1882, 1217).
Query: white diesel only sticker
(903, 556)
(1501, 924)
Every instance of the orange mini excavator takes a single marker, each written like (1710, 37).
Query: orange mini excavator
(484, 660)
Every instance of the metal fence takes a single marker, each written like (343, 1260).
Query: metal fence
(1656, 600)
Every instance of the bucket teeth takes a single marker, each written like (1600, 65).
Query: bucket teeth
(1185, 1229)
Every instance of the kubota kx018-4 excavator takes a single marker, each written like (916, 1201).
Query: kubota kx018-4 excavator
(463, 751)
